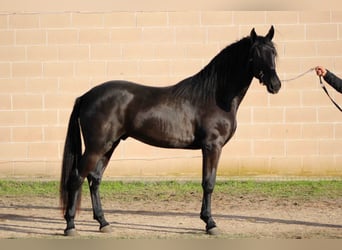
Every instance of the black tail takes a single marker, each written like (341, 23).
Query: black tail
(72, 153)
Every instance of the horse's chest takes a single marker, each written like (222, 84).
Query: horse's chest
(219, 128)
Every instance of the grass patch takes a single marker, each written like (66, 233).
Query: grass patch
(181, 191)
(283, 189)
(28, 188)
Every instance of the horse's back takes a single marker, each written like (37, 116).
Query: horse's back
(110, 108)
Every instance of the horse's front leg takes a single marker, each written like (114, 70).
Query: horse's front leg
(211, 155)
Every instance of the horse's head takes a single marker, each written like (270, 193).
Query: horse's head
(262, 57)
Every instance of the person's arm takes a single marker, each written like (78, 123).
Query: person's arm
(330, 78)
(333, 80)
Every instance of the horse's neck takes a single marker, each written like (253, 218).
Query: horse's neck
(233, 88)
(230, 72)
(236, 101)
(224, 81)
(230, 98)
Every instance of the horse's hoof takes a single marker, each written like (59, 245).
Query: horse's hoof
(213, 231)
(71, 232)
(106, 229)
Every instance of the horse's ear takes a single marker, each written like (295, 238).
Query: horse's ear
(270, 33)
(253, 35)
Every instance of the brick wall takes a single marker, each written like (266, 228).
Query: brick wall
(49, 58)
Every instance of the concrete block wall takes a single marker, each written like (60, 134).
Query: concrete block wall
(49, 58)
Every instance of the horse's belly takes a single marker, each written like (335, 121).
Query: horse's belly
(161, 134)
(164, 129)
(171, 126)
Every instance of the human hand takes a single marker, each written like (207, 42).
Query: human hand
(320, 71)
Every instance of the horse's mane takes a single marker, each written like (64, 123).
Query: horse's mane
(217, 76)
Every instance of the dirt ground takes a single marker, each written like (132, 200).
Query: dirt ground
(237, 218)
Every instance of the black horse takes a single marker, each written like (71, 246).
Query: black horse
(197, 113)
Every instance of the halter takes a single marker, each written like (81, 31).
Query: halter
(260, 75)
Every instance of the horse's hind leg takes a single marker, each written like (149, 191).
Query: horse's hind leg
(74, 190)
(94, 181)
(74, 186)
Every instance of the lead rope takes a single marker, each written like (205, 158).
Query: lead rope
(299, 76)
(321, 83)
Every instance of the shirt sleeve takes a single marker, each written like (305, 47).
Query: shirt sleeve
(333, 81)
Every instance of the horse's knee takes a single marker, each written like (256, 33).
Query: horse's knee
(208, 186)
